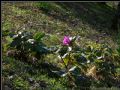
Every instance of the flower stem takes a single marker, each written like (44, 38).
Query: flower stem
(71, 79)
(64, 63)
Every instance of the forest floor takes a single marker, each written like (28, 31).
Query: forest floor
(91, 21)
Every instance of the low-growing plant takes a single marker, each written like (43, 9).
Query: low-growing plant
(28, 45)
(19, 83)
(95, 61)
(94, 64)
(67, 59)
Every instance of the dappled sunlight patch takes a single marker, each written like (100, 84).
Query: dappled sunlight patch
(19, 11)
(55, 50)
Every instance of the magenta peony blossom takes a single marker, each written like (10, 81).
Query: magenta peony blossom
(66, 40)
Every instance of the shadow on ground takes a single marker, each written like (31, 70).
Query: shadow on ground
(97, 15)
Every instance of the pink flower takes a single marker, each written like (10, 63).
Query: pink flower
(66, 40)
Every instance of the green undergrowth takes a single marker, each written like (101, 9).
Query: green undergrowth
(21, 75)
(90, 21)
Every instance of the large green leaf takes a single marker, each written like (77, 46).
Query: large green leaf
(63, 50)
(38, 36)
(41, 49)
(16, 42)
(81, 59)
(66, 60)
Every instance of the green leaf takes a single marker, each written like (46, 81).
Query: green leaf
(63, 50)
(9, 39)
(118, 70)
(99, 61)
(41, 49)
(5, 33)
(89, 49)
(38, 36)
(81, 59)
(66, 60)
(98, 53)
(118, 50)
(91, 57)
(75, 70)
(16, 42)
